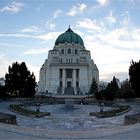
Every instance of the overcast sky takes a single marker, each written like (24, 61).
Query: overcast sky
(110, 29)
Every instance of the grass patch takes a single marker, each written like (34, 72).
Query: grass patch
(24, 111)
(110, 113)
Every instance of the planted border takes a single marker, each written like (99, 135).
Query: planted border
(24, 111)
(110, 113)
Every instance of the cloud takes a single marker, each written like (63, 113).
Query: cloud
(34, 69)
(112, 49)
(45, 37)
(4, 63)
(49, 25)
(31, 29)
(14, 7)
(57, 13)
(122, 38)
(102, 2)
(36, 51)
(136, 34)
(110, 18)
(17, 35)
(125, 21)
(78, 9)
(9, 45)
(109, 76)
(49, 36)
(110, 60)
(89, 24)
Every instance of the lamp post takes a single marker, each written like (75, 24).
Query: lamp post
(38, 107)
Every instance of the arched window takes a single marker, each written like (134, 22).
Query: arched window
(69, 73)
(77, 84)
(76, 60)
(69, 51)
(60, 73)
(76, 51)
(60, 84)
(62, 51)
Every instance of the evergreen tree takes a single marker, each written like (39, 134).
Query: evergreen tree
(126, 90)
(100, 94)
(111, 90)
(12, 79)
(134, 74)
(2, 92)
(93, 88)
(19, 81)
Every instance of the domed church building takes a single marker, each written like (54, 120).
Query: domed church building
(69, 68)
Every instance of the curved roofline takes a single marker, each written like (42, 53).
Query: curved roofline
(70, 37)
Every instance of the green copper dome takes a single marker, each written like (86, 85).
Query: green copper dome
(70, 37)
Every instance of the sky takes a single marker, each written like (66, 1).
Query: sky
(110, 29)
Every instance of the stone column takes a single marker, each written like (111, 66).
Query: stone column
(74, 80)
(48, 75)
(63, 80)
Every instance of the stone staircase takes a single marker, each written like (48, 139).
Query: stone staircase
(59, 91)
(69, 91)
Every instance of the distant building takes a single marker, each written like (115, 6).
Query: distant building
(69, 68)
(2, 82)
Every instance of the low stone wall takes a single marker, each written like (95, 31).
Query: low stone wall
(7, 118)
(132, 119)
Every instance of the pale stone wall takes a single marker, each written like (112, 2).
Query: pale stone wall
(59, 58)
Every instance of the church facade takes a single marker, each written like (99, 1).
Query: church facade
(69, 68)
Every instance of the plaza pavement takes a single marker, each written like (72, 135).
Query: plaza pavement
(17, 132)
(23, 132)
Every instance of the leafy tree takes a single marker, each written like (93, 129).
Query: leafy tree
(19, 81)
(93, 88)
(134, 74)
(111, 90)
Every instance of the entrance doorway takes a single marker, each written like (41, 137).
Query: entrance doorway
(68, 84)
(69, 89)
